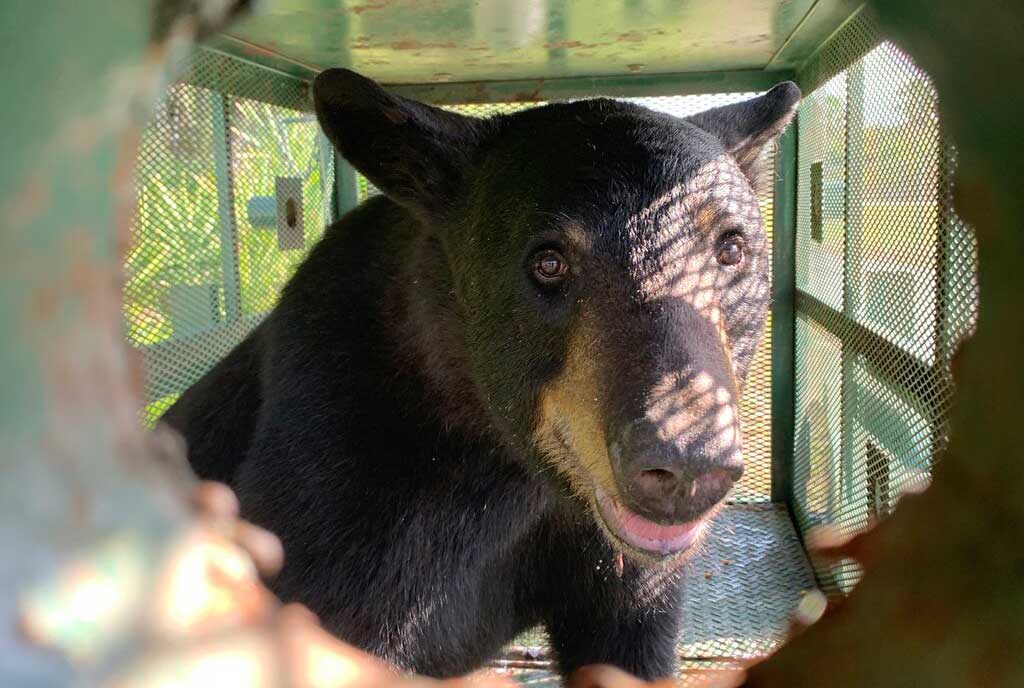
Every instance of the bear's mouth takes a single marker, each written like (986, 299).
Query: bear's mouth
(640, 536)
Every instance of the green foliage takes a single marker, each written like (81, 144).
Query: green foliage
(176, 236)
(175, 233)
(270, 142)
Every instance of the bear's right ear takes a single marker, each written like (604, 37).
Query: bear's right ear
(414, 153)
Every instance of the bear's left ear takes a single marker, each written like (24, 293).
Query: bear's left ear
(416, 154)
(746, 128)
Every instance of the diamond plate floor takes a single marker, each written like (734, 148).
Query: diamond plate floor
(740, 592)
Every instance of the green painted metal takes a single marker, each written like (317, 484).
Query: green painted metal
(784, 314)
(226, 209)
(328, 165)
(346, 186)
(629, 86)
(814, 30)
(415, 42)
(852, 232)
(853, 221)
(77, 468)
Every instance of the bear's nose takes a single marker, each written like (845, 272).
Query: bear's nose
(676, 479)
(668, 494)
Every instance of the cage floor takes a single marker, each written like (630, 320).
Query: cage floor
(740, 593)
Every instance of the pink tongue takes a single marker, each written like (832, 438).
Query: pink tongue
(646, 534)
(641, 527)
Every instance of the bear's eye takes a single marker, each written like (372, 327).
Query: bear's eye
(731, 249)
(549, 267)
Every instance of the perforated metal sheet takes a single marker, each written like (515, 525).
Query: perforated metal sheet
(756, 401)
(692, 673)
(886, 286)
(741, 590)
(206, 262)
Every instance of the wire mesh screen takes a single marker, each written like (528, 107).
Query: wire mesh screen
(886, 287)
(756, 401)
(230, 196)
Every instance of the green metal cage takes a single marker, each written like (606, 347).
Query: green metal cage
(848, 398)
(874, 275)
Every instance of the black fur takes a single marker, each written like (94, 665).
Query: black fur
(381, 419)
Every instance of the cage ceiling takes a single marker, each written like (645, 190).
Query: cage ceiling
(543, 44)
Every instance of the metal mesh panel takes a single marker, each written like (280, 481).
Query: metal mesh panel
(756, 402)
(886, 286)
(692, 673)
(215, 237)
(741, 590)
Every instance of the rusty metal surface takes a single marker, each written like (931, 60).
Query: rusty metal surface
(943, 604)
(78, 472)
(438, 41)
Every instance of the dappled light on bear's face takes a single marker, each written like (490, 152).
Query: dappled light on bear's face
(642, 420)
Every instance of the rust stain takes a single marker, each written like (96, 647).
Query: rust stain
(416, 45)
(28, 203)
(480, 93)
(122, 189)
(257, 50)
(563, 44)
(94, 375)
(630, 37)
(527, 96)
(371, 6)
(405, 44)
(573, 44)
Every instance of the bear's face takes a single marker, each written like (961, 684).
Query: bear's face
(610, 271)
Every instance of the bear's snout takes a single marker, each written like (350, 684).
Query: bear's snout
(676, 479)
(668, 497)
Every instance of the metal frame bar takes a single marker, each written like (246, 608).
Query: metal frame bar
(783, 372)
(328, 165)
(230, 274)
(902, 369)
(626, 86)
(853, 206)
(945, 263)
(346, 187)
(806, 38)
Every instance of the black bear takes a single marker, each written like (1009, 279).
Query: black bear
(483, 388)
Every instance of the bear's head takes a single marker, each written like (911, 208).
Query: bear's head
(610, 276)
